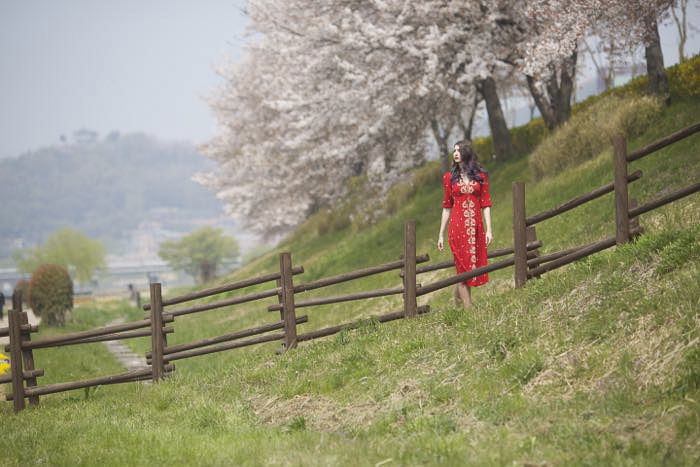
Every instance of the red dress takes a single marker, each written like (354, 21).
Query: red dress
(466, 232)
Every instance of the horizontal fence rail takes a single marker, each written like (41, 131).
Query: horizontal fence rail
(25, 375)
(663, 142)
(510, 250)
(107, 338)
(342, 298)
(355, 324)
(228, 337)
(5, 332)
(225, 288)
(493, 254)
(676, 195)
(55, 341)
(226, 302)
(533, 262)
(348, 276)
(222, 347)
(579, 253)
(127, 377)
(578, 201)
(441, 284)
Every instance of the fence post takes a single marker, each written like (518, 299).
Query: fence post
(27, 354)
(288, 313)
(410, 305)
(16, 371)
(622, 221)
(519, 234)
(531, 236)
(157, 343)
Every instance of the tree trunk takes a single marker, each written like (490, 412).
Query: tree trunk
(441, 141)
(682, 25)
(502, 143)
(207, 272)
(555, 103)
(658, 81)
(469, 126)
(566, 89)
(541, 102)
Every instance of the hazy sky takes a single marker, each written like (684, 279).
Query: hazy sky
(126, 65)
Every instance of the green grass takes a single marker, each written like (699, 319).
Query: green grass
(596, 363)
(585, 135)
(72, 363)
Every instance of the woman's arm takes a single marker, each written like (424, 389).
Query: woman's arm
(443, 222)
(487, 219)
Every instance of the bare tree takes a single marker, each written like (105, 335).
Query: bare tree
(679, 12)
(601, 57)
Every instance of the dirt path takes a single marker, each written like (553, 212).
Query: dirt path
(123, 353)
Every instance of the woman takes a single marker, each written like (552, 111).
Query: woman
(466, 195)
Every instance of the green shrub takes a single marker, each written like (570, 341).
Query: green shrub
(589, 132)
(684, 78)
(524, 138)
(51, 294)
(484, 148)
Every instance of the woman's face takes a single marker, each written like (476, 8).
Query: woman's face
(456, 156)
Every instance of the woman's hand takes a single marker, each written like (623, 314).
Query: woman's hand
(489, 237)
(441, 245)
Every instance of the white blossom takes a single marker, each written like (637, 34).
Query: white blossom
(338, 88)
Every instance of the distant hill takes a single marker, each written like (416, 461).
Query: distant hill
(104, 187)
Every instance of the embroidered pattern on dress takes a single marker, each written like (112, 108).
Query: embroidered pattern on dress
(463, 192)
(466, 187)
(470, 222)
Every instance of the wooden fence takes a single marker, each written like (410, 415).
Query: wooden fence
(527, 262)
(626, 210)
(22, 358)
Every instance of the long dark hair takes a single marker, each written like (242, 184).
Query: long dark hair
(468, 164)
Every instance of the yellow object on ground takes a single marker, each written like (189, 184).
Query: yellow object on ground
(4, 364)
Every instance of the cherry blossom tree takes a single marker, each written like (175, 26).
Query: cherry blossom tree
(338, 89)
(563, 23)
(341, 88)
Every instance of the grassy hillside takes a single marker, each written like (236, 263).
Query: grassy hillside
(595, 363)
